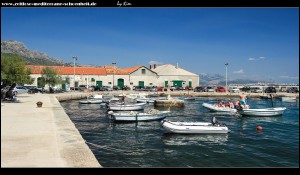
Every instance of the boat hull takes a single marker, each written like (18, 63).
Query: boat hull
(90, 101)
(267, 112)
(218, 109)
(134, 116)
(133, 107)
(194, 128)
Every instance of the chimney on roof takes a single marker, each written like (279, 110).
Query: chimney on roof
(177, 66)
(150, 66)
(154, 67)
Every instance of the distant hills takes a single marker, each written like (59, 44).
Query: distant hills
(217, 79)
(39, 58)
(30, 57)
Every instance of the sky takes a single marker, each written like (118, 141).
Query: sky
(257, 43)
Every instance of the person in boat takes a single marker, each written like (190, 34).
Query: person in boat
(123, 99)
(237, 104)
(243, 99)
(221, 104)
(231, 105)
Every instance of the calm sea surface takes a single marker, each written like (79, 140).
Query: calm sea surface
(146, 144)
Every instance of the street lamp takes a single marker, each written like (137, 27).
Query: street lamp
(74, 58)
(226, 64)
(113, 75)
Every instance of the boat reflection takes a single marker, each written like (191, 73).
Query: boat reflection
(192, 139)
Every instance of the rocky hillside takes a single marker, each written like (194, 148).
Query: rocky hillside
(30, 57)
(217, 79)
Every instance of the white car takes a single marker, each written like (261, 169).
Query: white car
(234, 90)
(20, 90)
(256, 90)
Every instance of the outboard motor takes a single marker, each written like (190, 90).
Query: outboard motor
(214, 121)
(110, 112)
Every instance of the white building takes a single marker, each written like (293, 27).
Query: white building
(163, 75)
(175, 76)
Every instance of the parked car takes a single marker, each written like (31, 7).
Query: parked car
(292, 90)
(159, 88)
(270, 90)
(82, 87)
(138, 88)
(106, 88)
(150, 88)
(256, 90)
(199, 89)
(220, 89)
(178, 88)
(116, 88)
(126, 88)
(234, 90)
(210, 89)
(95, 88)
(245, 89)
(34, 90)
(20, 90)
(189, 88)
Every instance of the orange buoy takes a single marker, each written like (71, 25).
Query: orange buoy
(259, 128)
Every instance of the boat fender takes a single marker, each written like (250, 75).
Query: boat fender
(259, 128)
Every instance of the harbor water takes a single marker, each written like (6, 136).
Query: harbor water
(147, 144)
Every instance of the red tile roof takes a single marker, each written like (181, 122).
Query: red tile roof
(115, 70)
(62, 70)
(132, 69)
(105, 70)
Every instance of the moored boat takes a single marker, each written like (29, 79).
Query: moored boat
(195, 127)
(91, 101)
(139, 116)
(126, 107)
(265, 112)
(217, 108)
(289, 99)
(189, 98)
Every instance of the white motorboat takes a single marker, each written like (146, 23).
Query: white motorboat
(139, 116)
(195, 127)
(145, 100)
(91, 101)
(97, 96)
(189, 98)
(217, 108)
(265, 112)
(126, 107)
(289, 99)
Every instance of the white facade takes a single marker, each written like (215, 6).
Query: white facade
(175, 76)
(139, 75)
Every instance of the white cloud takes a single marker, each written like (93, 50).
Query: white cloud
(155, 62)
(288, 77)
(256, 59)
(241, 71)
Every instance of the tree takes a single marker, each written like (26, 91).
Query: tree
(13, 70)
(50, 77)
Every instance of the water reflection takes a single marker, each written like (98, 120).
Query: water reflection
(194, 139)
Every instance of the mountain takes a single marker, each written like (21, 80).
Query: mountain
(30, 57)
(217, 79)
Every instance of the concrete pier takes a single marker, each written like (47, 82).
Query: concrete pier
(41, 137)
